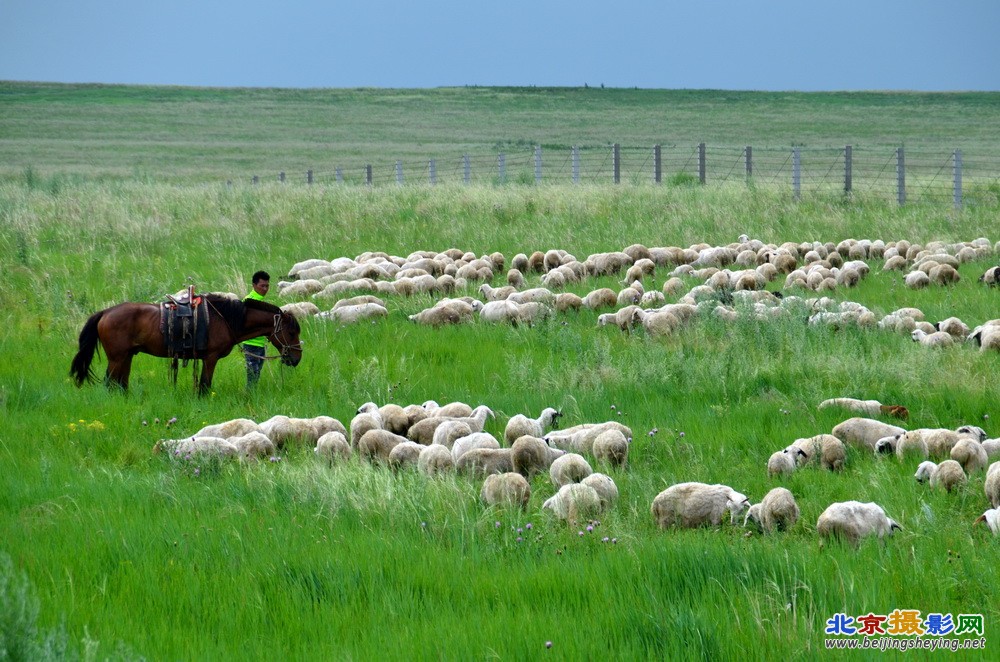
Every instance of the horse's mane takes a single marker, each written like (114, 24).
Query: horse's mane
(233, 311)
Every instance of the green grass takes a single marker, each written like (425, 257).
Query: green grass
(127, 553)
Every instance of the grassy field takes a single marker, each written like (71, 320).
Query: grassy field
(117, 552)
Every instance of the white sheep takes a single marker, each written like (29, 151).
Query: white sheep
(948, 474)
(531, 455)
(776, 512)
(450, 410)
(936, 339)
(506, 489)
(375, 445)
(354, 314)
(783, 461)
(393, 418)
(992, 484)
(693, 504)
(465, 444)
(520, 425)
(992, 519)
(435, 459)
(580, 438)
(867, 407)
(574, 503)
(853, 520)
(362, 423)
(992, 448)
(485, 461)
(301, 309)
(253, 445)
(827, 449)
(605, 488)
(611, 447)
(970, 454)
(448, 431)
(569, 468)
(904, 445)
(197, 446)
(233, 428)
(864, 432)
(333, 446)
(477, 419)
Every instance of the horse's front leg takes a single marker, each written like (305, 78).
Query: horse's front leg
(207, 371)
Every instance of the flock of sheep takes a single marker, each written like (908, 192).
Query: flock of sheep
(436, 440)
(730, 283)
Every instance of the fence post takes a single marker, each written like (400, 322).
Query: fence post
(432, 167)
(957, 157)
(502, 167)
(748, 154)
(399, 172)
(538, 164)
(616, 158)
(657, 164)
(701, 163)
(900, 177)
(796, 174)
(848, 169)
(338, 174)
(281, 176)
(467, 168)
(256, 180)
(576, 164)
(309, 176)
(368, 174)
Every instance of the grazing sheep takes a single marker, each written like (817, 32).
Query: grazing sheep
(991, 277)
(904, 445)
(580, 438)
(394, 419)
(864, 433)
(531, 455)
(953, 327)
(776, 512)
(301, 309)
(936, 339)
(362, 423)
(334, 447)
(569, 468)
(435, 459)
(992, 519)
(475, 440)
(970, 454)
(866, 407)
(375, 445)
(197, 446)
(691, 505)
(405, 454)
(448, 431)
(491, 293)
(992, 484)
(783, 462)
(520, 425)
(283, 429)
(611, 447)
(944, 274)
(354, 314)
(450, 410)
(358, 300)
(605, 488)
(482, 461)
(972, 431)
(477, 419)
(233, 428)
(948, 474)
(567, 301)
(829, 450)
(574, 503)
(916, 280)
(853, 520)
(515, 278)
(253, 445)
(453, 311)
(506, 489)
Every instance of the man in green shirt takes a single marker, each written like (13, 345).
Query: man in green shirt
(255, 348)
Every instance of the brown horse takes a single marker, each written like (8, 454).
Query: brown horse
(129, 328)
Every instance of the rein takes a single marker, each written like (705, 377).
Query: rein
(283, 347)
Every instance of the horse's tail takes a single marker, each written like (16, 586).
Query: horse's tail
(80, 369)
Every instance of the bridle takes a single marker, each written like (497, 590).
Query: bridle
(284, 348)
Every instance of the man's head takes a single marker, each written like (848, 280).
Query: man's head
(261, 282)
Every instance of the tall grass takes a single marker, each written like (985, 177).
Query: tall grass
(294, 558)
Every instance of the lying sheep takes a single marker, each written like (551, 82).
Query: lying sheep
(970, 454)
(531, 455)
(334, 447)
(506, 489)
(948, 474)
(692, 505)
(866, 407)
(569, 468)
(485, 461)
(574, 503)
(776, 512)
(435, 459)
(605, 488)
(864, 433)
(520, 425)
(853, 520)
(992, 484)
(375, 445)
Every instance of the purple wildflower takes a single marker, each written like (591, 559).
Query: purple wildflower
(528, 526)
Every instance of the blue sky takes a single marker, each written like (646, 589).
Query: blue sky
(726, 44)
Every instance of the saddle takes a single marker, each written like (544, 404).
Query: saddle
(184, 324)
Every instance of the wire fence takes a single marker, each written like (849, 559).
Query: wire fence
(904, 175)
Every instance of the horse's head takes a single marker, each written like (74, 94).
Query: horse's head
(286, 338)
